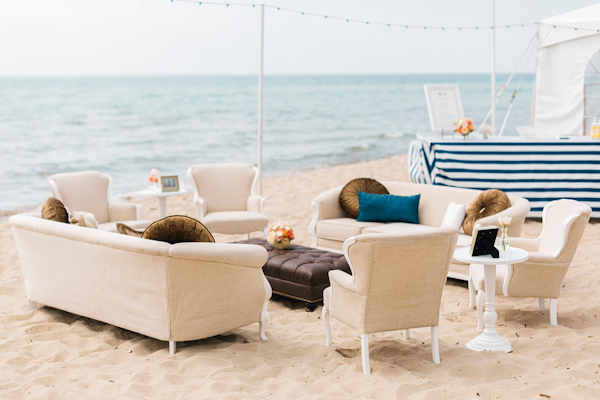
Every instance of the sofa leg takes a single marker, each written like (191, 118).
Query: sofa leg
(435, 345)
(172, 347)
(325, 317)
(364, 349)
(542, 304)
(31, 305)
(553, 312)
(471, 292)
(264, 321)
(407, 334)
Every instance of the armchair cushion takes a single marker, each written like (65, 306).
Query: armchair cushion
(177, 229)
(488, 202)
(54, 210)
(349, 194)
(388, 208)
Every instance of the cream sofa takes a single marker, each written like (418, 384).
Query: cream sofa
(180, 292)
(330, 225)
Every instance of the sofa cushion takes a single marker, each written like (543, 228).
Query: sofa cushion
(454, 216)
(349, 194)
(342, 228)
(488, 202)
(400, 227)
(54, 210)
(127, 230)
(177, 229)
(388, 208)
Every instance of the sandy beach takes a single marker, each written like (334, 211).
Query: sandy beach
(51, 354)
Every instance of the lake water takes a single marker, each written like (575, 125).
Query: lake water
(125, 126)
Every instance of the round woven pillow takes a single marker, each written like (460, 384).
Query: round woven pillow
(349, 194)
(177, 229)
(488, 202)
(54, 210)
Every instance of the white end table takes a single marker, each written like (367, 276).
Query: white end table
(162, 198)
(490, 340)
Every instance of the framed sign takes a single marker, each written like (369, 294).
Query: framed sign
(444, 106)
(169, 183)
(483, 241)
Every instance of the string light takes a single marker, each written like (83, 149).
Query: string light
(391, 25)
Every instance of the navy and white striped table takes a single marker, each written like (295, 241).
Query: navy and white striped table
(540, 171)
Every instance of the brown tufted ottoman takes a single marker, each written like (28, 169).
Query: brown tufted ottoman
(300, 272)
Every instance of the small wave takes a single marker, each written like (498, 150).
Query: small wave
(392, 135)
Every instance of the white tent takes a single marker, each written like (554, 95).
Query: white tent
(566, 44)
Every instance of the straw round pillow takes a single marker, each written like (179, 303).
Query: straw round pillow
(54, 210)
(488, 202)
(177, 229)
(349, 195)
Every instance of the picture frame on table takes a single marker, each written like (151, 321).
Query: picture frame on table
(483, 241)
(169, 183)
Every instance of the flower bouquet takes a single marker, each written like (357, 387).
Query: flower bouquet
(280, 235)
(153, 179)
(464, 126)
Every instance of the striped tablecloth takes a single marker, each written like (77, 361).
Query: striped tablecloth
(540, 171)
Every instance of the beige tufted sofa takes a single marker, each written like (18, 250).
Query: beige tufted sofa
(180, 292)
(330, 225)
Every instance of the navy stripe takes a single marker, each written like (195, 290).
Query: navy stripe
(520, 180)
(552, 189)
(561, 143)
(562, 162)
(521, 153)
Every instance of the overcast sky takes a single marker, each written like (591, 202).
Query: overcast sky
(150, 37)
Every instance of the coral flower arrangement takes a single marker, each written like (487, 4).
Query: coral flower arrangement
(153, 178)
(464, 126)
(280, 235)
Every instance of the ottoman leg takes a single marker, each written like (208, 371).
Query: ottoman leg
(310, 307)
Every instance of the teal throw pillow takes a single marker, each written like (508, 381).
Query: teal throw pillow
(388, 208)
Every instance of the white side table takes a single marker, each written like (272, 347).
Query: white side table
(490, 340)
(162, 198)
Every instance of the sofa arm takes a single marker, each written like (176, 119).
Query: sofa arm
(200, 207)
(243, 255)
(327, 204)
(517, 211)
(124, 211)
(256, 204)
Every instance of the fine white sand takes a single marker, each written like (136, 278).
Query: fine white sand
(51, 354)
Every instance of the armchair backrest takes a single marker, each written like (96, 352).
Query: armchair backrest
(83, 191)
(401, 275)
(224, 187)
(563, 224)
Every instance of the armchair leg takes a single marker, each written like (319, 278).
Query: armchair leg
(364, 348)
(265, 317)
(172, 347)
(553, 312)
(407, 334)
(471, 293)
(480, 298)
(325, 317)
(542, 304)
(435, 345)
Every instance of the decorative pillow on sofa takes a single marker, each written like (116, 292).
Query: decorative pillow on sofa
(488, 202)
(349, 195)
(454, 217)
(54, 210)
(127, 230)
(177, 229)
(388, 208)
(82, 218)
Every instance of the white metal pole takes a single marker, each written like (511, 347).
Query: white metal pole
(260, 98)
(493, 69)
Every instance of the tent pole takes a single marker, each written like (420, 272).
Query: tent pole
(493, 70)
(260, 98)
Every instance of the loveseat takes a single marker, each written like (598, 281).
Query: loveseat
(179, 292)
(331, 226)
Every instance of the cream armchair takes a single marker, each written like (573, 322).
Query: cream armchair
(90, 191)
(225, 199)
(396, 283)
(550, 256)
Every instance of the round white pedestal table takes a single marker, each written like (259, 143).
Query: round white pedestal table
(162, 198)
(490, 340)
